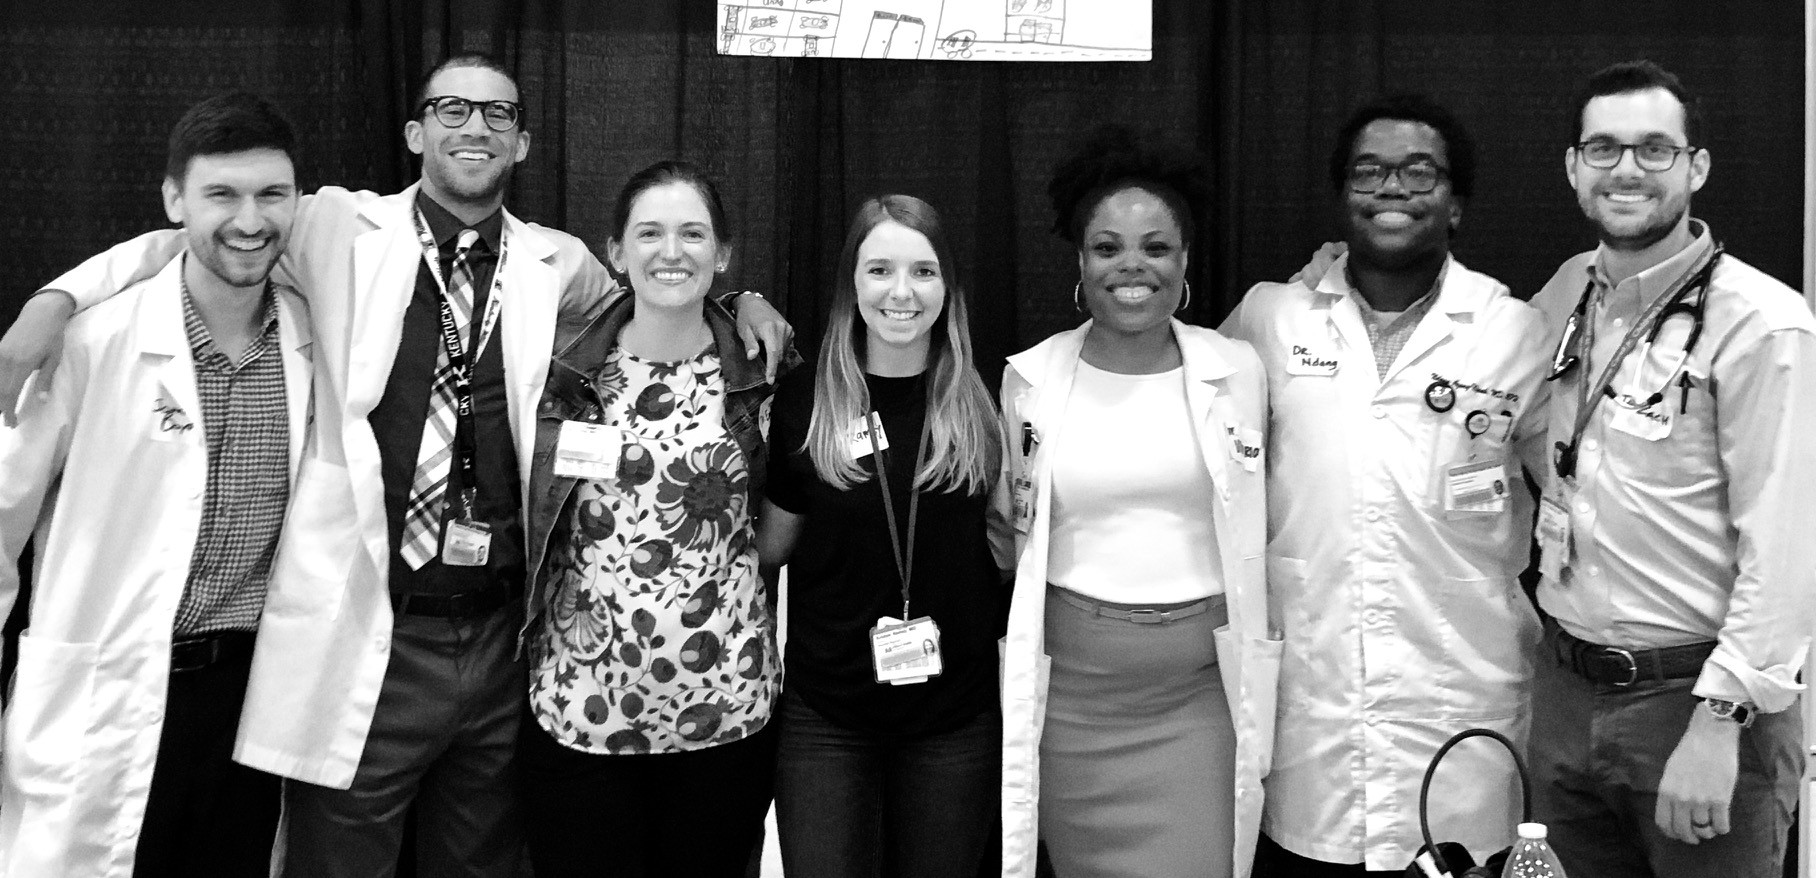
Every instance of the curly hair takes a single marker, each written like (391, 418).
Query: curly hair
(1112, 159)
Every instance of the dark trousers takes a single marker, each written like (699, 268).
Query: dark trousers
(443, 736)
(206, 814)
(851, 804)
(1274, 861)
(1598, 754)
(697, 814)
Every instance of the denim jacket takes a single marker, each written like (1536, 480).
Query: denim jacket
(569, 395)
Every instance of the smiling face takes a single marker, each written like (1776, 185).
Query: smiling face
(1391, 228)
(900, 289)
(469, 165)
(236, 210)
(668, 250)
(1631, 207)
(1131, 266)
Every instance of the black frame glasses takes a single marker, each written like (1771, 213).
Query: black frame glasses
(1418, 176)
(453, 111)
(1603, 153)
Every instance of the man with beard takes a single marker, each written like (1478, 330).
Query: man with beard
(1399, 388)
(403, 559)
(156, 471)
(1676, 518)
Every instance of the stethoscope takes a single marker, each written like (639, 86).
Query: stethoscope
(1441, 397)
(1691, 300)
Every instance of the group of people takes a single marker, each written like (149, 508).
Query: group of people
(353, 507)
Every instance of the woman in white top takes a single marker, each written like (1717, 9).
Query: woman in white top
(1138, 494)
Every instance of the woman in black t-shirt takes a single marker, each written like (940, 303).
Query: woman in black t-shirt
(883, 471)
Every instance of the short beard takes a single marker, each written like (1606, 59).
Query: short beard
(1646, 236)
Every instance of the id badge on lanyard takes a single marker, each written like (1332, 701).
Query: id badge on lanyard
(902, 652)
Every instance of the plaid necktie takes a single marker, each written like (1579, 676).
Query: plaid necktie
(429, 488)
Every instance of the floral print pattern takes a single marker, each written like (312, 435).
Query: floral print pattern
(657, 637)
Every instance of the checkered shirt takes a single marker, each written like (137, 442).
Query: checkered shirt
(246, 424)
(1388, 341)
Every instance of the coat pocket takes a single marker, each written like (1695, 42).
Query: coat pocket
(48, 719)
(1250, 668)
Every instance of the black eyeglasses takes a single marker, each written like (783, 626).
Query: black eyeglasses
(454, 111)
(1417, 176)
(1653, 155)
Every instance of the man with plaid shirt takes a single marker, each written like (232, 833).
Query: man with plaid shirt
(156, 472)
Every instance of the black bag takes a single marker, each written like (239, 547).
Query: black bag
(1451, 858)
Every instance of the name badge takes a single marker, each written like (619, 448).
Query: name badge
(1554, 537)
(1023, 502)
(861, 428)
(905, 652)
(1304, 360)
(466, 543)
(1245, 447)
(588, 451)
(1651, 423)
(1476, 487)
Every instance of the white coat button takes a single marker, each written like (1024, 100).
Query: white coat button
(1371, 616)
(1374, 720)
(156, 716)
(1595, 571)
(1590, 444)
(1582, 508)
(1619, 322)
(1372, 514)
(380, 642)
(1378, 410)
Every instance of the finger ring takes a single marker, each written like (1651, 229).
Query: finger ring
(1695, 825)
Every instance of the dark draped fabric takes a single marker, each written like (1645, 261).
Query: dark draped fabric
(89, 91)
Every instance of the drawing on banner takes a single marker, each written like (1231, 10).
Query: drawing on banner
(946, 30)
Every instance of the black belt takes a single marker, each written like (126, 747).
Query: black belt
(208, 650)
(1614, 666)
(459, 605)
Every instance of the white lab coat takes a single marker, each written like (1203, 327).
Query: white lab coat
(1404, 623)
(325, 637)
(114, 486)
(1226, 391)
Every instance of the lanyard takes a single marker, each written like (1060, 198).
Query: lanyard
(1695, 281)
(458, 359)
(904, 561)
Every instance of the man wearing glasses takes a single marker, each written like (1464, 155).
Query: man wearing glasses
(399, 579)
(1677, 515)
(1399, 388)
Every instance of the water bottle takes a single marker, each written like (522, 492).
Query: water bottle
(1532, 857)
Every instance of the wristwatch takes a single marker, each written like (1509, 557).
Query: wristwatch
(1732, 711)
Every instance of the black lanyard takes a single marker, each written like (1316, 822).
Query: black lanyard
(904, 559)
(1694, 282)
(481, 326)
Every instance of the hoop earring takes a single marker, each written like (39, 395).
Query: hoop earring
(1186, 301)
(1078, 300)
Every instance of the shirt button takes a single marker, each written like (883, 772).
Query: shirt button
(1371, 616)
(1595, 570)
(1378, 410)
(1618, 323)
(1582, 508)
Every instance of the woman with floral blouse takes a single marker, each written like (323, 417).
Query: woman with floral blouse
(651, 644)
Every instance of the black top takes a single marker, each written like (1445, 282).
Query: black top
(842, 576)
(397, 420)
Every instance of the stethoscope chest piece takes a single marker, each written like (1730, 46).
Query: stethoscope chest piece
(1440, 396)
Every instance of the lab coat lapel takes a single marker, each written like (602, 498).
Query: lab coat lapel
(162, 335)
(526, 327)
(298, 348)
(385, 260)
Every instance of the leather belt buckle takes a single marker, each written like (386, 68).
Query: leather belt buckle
(1615, 652)
(1148, 616)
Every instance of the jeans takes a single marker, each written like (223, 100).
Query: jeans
(852, 804)
(1598, 754)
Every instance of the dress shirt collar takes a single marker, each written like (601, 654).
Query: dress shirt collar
(1637, 292)
(445, 226)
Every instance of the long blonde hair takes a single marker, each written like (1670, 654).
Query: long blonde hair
(963, 431)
